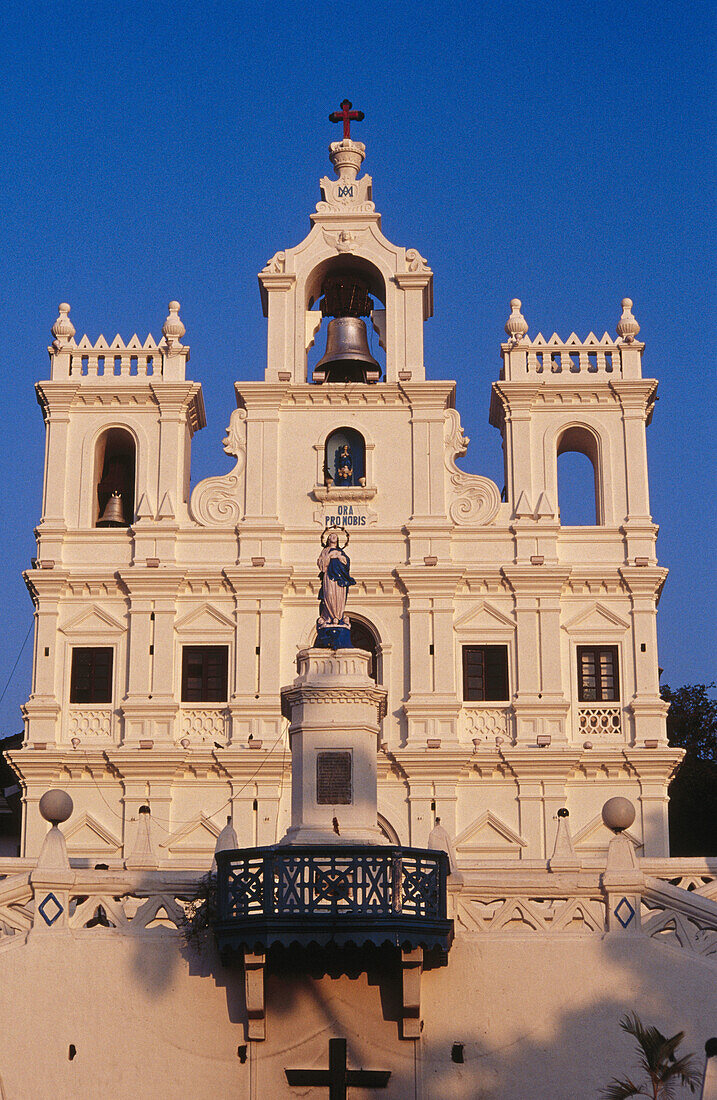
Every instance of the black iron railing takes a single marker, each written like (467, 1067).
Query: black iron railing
(332, 895)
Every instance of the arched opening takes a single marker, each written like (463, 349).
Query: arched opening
(387, 829)
(579, 483)
(345, 458)
(362, 637)
(115, 464)
(346, 290)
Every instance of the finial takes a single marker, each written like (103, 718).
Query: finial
(347, 116)
(173, 329)
(516, 326)
(63, 329)
(627, 326)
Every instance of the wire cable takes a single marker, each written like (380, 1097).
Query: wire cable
(17, 660)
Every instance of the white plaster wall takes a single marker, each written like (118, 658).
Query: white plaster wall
(538, 1017)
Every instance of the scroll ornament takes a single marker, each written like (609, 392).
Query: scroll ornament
(215, 501)
(476, 499)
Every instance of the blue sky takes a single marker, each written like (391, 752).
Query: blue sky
(561, 152)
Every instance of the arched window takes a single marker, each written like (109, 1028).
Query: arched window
(115, 461)
(362, 637)
(345, 458)
(579, 483)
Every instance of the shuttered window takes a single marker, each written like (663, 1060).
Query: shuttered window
(598, 680)
(485, 673)
(204, 673)
(91, 676)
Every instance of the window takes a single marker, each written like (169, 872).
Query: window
(204, 673)
(598, 680)
(485, 673)
(91, 677)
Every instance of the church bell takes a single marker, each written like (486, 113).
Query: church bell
(347, 357)
(113, 513)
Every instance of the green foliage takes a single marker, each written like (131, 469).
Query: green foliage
(692, 725)
(200, 913)
(657, 1056)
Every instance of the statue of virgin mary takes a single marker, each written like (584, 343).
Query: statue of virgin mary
(333, 624)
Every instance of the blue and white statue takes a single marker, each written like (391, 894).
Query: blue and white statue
(333, 625)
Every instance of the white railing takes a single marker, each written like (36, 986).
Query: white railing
(484, 723)
(103, 360)
(573, 356)
(90, 723)
(200, 725)
(600, 720)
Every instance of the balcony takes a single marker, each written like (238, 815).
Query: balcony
(332, 896)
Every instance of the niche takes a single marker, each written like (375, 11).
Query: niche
(345, 459)
(579, 482)
(115, 463)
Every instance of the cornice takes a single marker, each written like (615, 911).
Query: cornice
(265, 580)
(644, 580)
(139, 580)
(551, 764)
(537, 580)
(338, 696)
(429, 580)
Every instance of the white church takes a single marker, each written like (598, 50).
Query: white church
(411, 719)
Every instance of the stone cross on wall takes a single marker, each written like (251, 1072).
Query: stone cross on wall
(347, 116)
(337, 1078)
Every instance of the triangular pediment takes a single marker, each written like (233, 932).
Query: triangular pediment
(87, 837)
(595, 836)
(484, 616)
(94, 620)
(596, 618)
(196, 837)
(204, 618)
(487, 836)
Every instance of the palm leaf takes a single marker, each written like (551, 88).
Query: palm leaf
(686, 1070)
(621, 1090)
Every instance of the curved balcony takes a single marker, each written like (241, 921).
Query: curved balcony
(332, 895)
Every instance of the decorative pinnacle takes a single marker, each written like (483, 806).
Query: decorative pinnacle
(627, 326)
(516, 326)
(63, 329)
(173, 329)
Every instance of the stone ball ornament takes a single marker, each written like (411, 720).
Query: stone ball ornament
(618, 814)
(56, 806)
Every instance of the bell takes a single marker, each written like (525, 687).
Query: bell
(347, 358)
(113, 514)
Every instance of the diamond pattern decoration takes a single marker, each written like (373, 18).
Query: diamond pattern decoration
(50, 909)
(624, 912)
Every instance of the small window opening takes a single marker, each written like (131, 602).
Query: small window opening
(363, 638)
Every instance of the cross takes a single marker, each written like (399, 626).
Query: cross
(347, 116)
(337, 1077)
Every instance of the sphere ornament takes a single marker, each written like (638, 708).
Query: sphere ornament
(173, 329)
(56, 806)
(627, 327)
(618, 813)
(63, 329)
(516, 326)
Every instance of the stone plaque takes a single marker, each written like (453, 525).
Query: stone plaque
(333, 779)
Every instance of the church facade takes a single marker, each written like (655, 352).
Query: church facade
(516, 655)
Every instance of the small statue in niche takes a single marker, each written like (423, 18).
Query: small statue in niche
(333, 625)
(344, 465)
